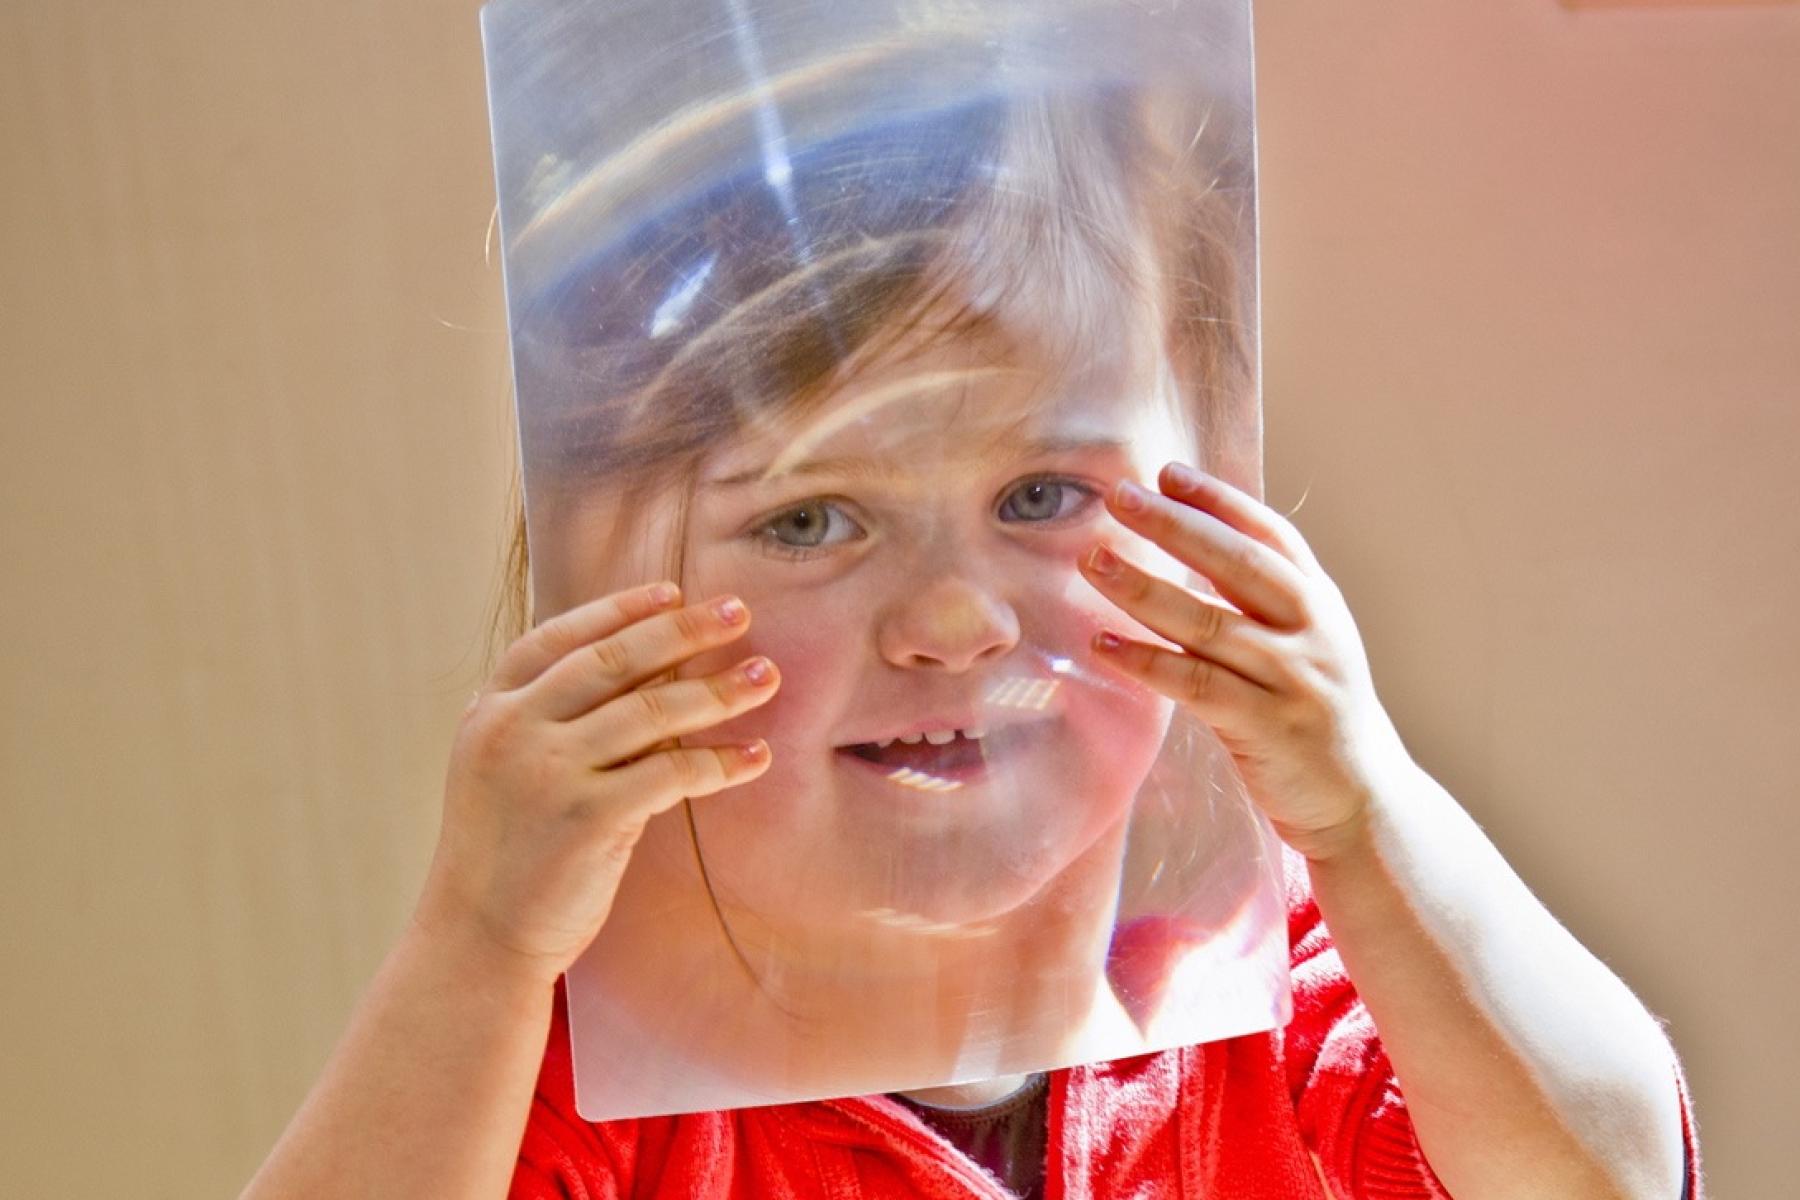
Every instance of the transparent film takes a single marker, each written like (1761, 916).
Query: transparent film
(855, 309)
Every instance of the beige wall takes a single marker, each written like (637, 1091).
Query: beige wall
(1532, 282)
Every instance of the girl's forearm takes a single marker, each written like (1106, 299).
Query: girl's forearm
(427, 1093)
(1529, 1069)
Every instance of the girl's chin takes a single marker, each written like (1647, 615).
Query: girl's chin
(969, 900)
(952, 880)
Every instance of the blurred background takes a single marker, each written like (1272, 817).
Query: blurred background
(1532, 368)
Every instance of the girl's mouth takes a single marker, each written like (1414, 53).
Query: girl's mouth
(942, 765)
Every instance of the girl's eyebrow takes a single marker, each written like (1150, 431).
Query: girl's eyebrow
(885, 469)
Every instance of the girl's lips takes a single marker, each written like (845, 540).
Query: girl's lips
(1010, 702)
(923, 766)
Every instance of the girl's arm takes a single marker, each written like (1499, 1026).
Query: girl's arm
(427, 1092)
(557, 765)
(1529, 1069)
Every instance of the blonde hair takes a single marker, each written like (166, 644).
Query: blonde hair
(1070, 219)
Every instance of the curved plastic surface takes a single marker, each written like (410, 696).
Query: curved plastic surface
(855, 308)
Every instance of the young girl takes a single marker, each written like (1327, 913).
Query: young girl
(843, 569)
(894, 449)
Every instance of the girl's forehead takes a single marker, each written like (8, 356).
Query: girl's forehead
(964, 403)
(944, 430)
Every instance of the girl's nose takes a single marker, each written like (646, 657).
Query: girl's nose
(949, 624)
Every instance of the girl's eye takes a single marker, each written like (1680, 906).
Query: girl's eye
(813, 525)
(1044, 500)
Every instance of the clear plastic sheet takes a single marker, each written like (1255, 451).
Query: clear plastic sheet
(855, 309)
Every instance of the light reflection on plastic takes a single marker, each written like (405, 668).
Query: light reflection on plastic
(923, 781)
(896, 919)
(681, 297)
(1033, 694)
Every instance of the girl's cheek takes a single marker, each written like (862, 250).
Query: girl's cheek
(1113, 709)
(810, 653)
(1084, 612)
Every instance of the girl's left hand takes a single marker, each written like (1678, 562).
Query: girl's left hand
(1273, 663)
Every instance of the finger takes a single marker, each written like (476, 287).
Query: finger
(1217, 694)
(532, 654)
(658, 781)
(1258, 580)
(1193, 622)
(1238, 509)
(636, 723)
(590, 675)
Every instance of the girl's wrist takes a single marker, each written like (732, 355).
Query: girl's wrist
(455, 938)
(1391, 777)
(1336, 843)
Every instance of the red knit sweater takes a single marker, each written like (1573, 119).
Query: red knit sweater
(1261, 1117)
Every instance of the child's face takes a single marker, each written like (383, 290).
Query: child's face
(909, 560)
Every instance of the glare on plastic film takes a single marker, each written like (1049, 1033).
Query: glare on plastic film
(855, 310)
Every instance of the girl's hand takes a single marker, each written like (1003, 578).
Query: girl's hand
(1273, 662)
(562, 758)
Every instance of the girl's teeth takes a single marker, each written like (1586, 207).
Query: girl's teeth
(937, 737)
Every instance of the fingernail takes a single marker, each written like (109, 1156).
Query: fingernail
(759, 671)
(755, 752)
(1103, 561)
(664, 594)
(1129, 496)
(1181, 477)
(1108, 641)
(730, 610)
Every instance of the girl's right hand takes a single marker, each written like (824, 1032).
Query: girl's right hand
(561, 759)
